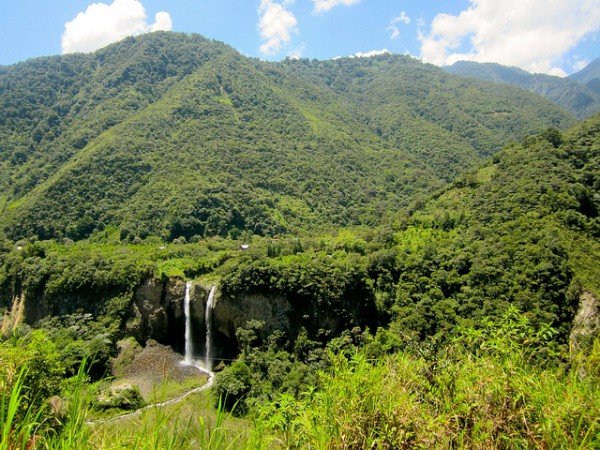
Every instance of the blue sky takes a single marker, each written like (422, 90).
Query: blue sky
(550, 36)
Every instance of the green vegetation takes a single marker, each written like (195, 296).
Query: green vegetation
(193, 424)
(176, 136)
(497, 386)
(480, 392)
(589, 76)
(520, 232)
(408, 279)
(571, 93)
(440, 357)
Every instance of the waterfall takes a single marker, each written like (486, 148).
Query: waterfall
(189, 347)
(208, 320)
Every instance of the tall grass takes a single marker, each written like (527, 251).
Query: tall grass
(28, 425)
(18, 421)
(215, 436)
(498, 387)
(477, 393)
(193, 424)
(71, 431)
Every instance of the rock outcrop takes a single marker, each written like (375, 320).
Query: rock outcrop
(586, 324)
(231, 313)
(157, 313)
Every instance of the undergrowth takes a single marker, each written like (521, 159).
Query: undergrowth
(500, 386)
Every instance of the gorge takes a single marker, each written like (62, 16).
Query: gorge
(367, 252)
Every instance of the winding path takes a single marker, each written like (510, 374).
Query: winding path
(172, 401)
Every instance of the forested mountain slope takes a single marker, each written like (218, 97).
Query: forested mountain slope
(515, 242)
(589, 76)
(522, 231)
(174, 135)
(465, 301)
(435, 115)
(569, 93)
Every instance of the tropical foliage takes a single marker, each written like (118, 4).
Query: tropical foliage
(176, 136)
(571, 93)
(433, 275)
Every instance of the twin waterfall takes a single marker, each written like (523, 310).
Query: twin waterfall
(208, 321)
(189, 345)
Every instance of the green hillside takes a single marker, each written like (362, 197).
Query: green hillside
(412, 279)
(569, 93)
(177, 136)
(488, 274)
(476, 290)
(522, 231)
(419, 107)
(589, 76)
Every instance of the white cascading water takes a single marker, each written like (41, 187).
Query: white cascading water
(189, 347)
(208, 320)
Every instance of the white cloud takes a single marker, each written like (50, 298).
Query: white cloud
(402, 18)
(393, 26)
(395, 32)
(384, 51)
(322, 6)
(297, 52)
(579, 63)
(162, 22)
(531, 34)
(275, 25)
(101, 24)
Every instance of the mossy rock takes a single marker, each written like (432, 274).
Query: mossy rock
(126, 398)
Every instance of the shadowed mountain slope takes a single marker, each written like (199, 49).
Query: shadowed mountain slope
(589, 76)
(568, 93)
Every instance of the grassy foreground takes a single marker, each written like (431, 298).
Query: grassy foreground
(496, 387)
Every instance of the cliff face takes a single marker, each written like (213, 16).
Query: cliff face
(154, 310)
(157, 313)
(231, 313)
(38, 305)
(150, 309)
(586, 324)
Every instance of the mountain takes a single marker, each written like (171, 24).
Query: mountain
(589, 76)
(469, 295)
(178, 136)
(511, 245)
(470, 299)
(523, 230)
(568, 93)
(419, 107)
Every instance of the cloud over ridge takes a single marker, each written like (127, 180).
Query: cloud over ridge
(371, 53)
(275, 25)
(531, 34)
(101, 24)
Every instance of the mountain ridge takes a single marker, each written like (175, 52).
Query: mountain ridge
(266, 147)
(589, 76)
(568, 93)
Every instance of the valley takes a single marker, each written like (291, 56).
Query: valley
(200, 249)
